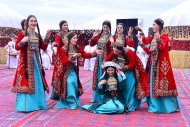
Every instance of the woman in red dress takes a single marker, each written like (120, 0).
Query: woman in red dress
(133, 85)
(163, 94)
(29, 82)
(104, 40)
(60, 41)
(67, 85)
(121, 38)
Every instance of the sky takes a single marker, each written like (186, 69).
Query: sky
(79, 12)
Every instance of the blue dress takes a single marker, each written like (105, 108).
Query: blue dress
(72, 97)
(110, 104)
(161, 104)
(31, 102)
(97, 97)
(131, 102)
(53, 96)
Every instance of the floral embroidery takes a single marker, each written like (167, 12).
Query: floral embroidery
(165, 66)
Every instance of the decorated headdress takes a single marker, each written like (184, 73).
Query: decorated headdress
(111, 64)
(115, 65)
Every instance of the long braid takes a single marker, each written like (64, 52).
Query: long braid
(68, 47)
(39, 35)
(26, 48)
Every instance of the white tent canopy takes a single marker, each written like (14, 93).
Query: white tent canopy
(177, 16)
(97, 22)
(9, 17)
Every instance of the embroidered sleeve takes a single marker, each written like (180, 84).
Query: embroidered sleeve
(19, 44)
(129, 41)
(109, 57)
(43, 45)
(131, 59)
(163, 41)
(94, 41)
(147, 40)
(84, 54)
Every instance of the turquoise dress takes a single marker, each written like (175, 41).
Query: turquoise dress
(72, 97)
(131, 102)
(96, 96)
(54, 97)
(161, 104)
(31, 102)
(110, 104)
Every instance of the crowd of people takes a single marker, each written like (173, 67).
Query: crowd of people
(122, 77)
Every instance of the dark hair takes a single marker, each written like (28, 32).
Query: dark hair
(69, 36)
(108, 23)
(150, 31)
(123, 53)
(22, 23)
(118, 47)
(61, 23)
(27, 20)
(106, 76)
(160, 23)
(124, 33)
(122, 26)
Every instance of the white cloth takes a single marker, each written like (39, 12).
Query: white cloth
(89, 63)
(47, 57)
(143, 56)
(11, 55)
(131, 48)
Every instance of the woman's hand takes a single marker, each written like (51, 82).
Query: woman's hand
(124, 67)
(96, 33)
(25, 39)
(77, 55)
(99, 51)
(138, 29)
(93, 54)
(49, 34)
(102, 82)
(54, 44)
(118, 72)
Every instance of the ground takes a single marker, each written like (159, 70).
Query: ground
(72, 118)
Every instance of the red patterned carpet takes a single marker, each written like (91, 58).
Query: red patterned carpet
(68, 118)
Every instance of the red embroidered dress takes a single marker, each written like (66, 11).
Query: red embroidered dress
(163, 82)
(61, 75)
(59, 44)
(126, 41)
(104, 44)
(133, 63)
(26, 63)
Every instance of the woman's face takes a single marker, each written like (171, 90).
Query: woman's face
(155, 27)
(119, 29)
(32, 23)
(65, 27)
(110, 71)
(106, 29)
(74, 40)
(116, 51)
